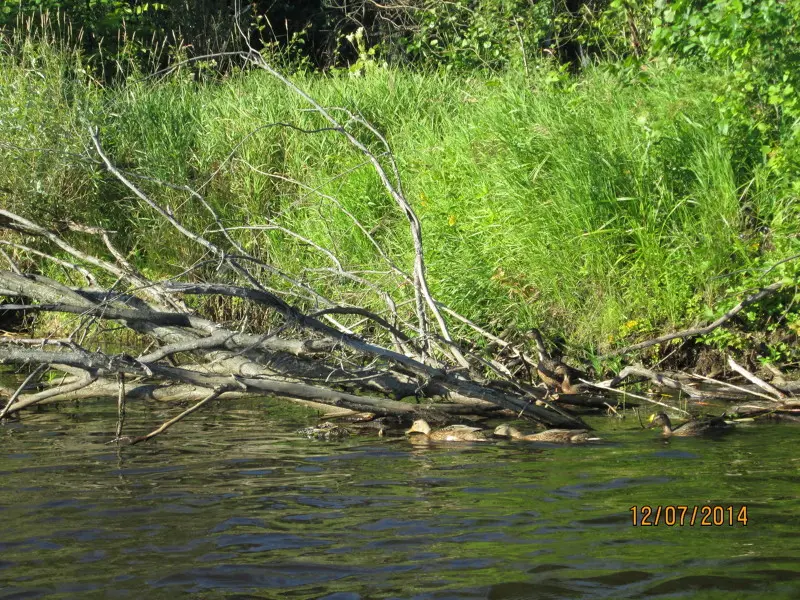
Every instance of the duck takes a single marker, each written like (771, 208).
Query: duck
(568, 375)
(557, 436)
(705, 426)
(366, 422)
(452, 433)
(326, 431)
(553, 371)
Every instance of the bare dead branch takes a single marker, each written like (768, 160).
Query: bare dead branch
(350, 215)
(10, 262)
(422, 291)
(346, 310)
(601, 386)
(120, 404)
(657, 378)
(105, 312)
(32, 399)
(164, 426)
(770, 389)
(296, 316)
(755, 297)
(733, 387)
(90, 279)
(17, 223)
(37, 372)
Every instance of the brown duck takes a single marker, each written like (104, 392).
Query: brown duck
(452, 433)
(553, 371)
(701, 427)
(556, 436)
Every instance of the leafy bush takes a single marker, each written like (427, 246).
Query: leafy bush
(757, 42)
(494, 34)
(460, 34)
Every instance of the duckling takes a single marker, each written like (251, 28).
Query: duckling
(558, 436)
(553, 371)
(705, 426)
(452, 433)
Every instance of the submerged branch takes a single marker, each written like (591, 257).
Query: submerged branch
(212, 396)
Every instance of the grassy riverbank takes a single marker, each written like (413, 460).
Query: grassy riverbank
(604, 207)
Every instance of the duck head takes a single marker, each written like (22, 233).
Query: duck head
(660, 420)
(419, 426)
(505, 430)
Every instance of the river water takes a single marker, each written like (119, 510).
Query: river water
(232, 503)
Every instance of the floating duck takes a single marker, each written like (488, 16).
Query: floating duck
(701, 427)
(557, 436)
(452, 433)
(326, 431)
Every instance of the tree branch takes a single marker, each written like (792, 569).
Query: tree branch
(755, 297)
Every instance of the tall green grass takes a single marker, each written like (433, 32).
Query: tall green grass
(602, 207)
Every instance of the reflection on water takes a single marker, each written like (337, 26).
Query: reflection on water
(231, 503)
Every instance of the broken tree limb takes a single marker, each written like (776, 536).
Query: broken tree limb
(184, 339)
(212, 396)
(657, 378)
(107, 312)
(37, 372)
(15, 222)
(601, 386)
(738, 388)
(52, 393)
(135, 391)
(294, 315)
(106, 365)
(695, 331)
(770, 389)
(780, 379)
(394, 189)
(439, 383)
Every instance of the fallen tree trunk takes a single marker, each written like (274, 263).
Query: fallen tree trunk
(242, 374)
(246, 364)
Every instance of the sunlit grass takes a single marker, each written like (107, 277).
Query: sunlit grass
(601, 207)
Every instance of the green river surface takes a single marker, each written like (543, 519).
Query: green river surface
(233, 503)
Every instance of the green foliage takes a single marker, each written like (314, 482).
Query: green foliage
(498, 33)
(461, 34)
(97, 18)
(610, 204)
(468, 35)
(757, 44)
(602, 206)
(123, 37)
(46, 93)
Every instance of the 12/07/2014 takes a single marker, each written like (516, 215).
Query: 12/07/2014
(707, 515)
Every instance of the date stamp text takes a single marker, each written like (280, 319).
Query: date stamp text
(676, 515)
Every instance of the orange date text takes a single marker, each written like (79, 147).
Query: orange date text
(676, 515)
